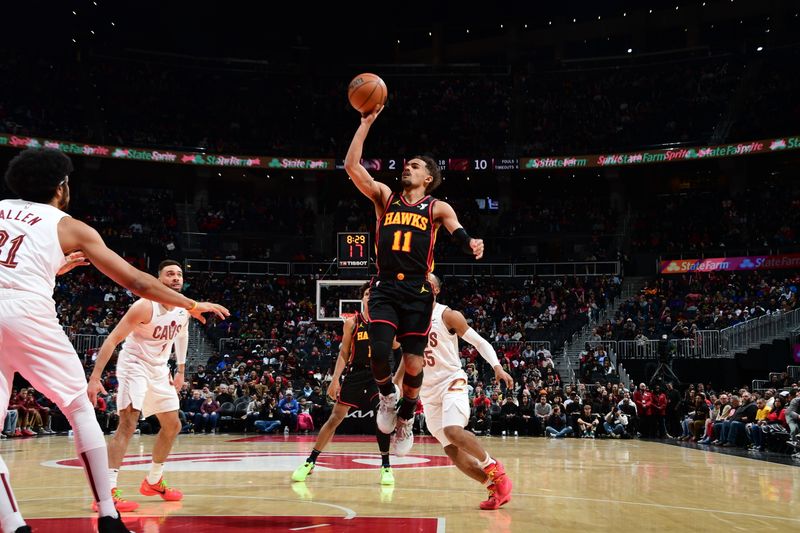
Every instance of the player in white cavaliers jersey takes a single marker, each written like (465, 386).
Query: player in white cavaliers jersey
(149, 330)
(446, 402)
(36, 237)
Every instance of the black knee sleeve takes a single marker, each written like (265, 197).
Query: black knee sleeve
(397, 356)
(384, 441)
(381, 337)
(414, 344)
(414, 382)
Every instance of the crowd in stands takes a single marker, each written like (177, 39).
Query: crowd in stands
(680, 305)
(768, 419)
(138, 215)
(266, 215)
(157, 102)
(771, 111)
(275, 375)
(606, 110)
(701, 223)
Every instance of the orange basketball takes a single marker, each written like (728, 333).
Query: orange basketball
(366, 92)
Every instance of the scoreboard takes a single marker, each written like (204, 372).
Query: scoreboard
(458, 164)
(352, 249)
(453, 164)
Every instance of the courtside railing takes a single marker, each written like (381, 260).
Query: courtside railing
(84, 342)
(231, 345)
(756, 331)
(519, 346)
(471, 269)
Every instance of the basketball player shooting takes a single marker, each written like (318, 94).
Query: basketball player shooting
(357, 390)
(401, 300)
(446, 401)
(149, 330)
(36, 235)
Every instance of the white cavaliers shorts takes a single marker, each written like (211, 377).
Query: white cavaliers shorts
(447, 405)
(34, 344)
(144, 386)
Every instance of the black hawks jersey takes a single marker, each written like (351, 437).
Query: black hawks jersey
(359, 345)
(405, 238)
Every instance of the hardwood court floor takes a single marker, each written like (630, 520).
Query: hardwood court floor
(559, 485)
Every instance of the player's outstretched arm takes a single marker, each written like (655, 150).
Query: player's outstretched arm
(139, 313)
(374, 190)
(444, 214)
(181, 349)
(455, 321)
(73, 260)
(75, 235)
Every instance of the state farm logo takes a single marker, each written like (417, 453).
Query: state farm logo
(226, 461)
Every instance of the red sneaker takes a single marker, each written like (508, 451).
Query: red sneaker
(17, 433)
(28, 433)
(499, 494)
(499, 489)
(160, 488)
(495, 470)
(122, 505)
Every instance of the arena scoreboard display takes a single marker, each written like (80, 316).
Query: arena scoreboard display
(452, 164)
(352, 249)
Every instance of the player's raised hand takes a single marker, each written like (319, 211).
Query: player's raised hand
(502, 375)
(477, 247)
(207, 307)
(93, 388)
(74, 260)
(369, 118)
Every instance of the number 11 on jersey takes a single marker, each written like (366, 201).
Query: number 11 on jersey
(406, 238)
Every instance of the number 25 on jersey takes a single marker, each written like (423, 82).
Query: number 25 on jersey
(427, 357)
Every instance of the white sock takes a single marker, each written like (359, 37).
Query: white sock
(486, 462)
(10, 517)
(156, 471)
(112, 477)
(91, 447)
(96, 461)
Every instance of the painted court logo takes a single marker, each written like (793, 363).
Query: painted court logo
(229, 461)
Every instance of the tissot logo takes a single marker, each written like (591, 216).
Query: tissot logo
(230, 461)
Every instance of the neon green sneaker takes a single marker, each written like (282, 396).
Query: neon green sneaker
(387, 493)
(302, 490)
(387, 477)
(303, 471)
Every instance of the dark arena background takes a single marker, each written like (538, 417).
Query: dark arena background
(632, 168)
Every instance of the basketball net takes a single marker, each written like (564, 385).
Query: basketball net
(345, 316)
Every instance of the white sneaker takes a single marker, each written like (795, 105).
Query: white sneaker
(387, 413)
(403, 438)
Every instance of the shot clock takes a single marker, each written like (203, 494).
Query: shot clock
(353, 249)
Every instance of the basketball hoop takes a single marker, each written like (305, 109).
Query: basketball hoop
(337, 299)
